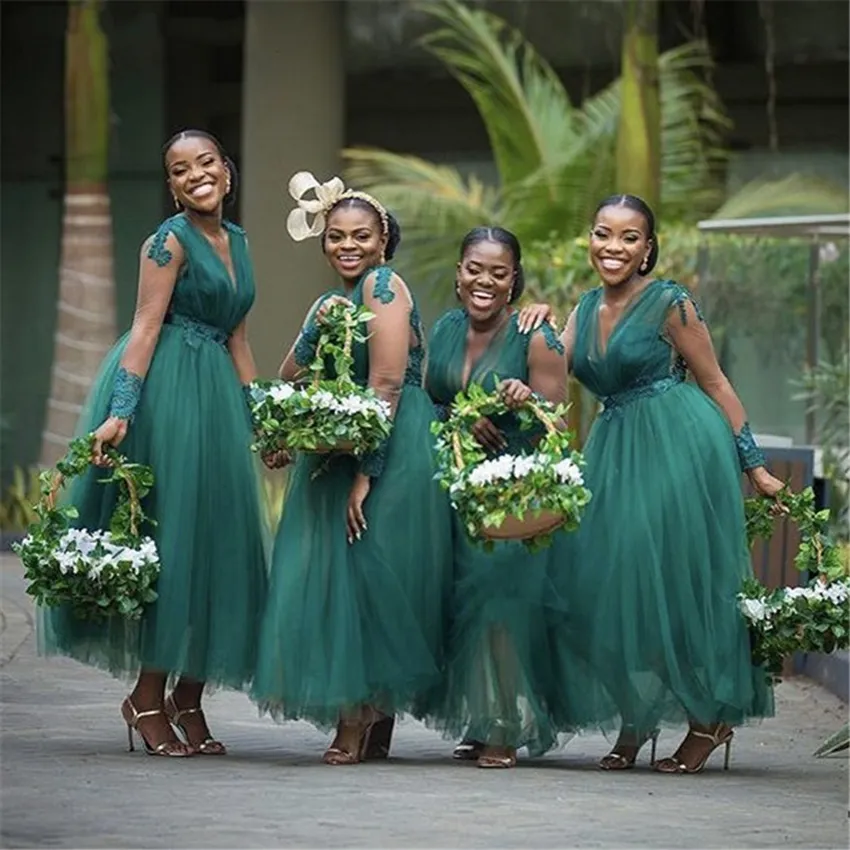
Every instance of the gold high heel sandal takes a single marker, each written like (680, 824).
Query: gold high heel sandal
(721, 736)
(174, 749)
(617, 761)
(338, 756)
(497, 762)
(209, 746)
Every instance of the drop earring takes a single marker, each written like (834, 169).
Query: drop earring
(176, 202)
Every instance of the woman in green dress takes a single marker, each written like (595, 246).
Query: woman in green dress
(500, 669)
(655, 568)
(171, 394)
(353, 630)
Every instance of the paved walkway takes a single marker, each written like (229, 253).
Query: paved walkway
(67, 780)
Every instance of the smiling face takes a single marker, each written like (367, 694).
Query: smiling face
(619, 244)
(485, 278)
(198, 177)
(354, 240)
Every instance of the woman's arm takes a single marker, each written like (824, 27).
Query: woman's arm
(689, 335)
(240, 352)
(568, 340)
(159, 265)
(547, 372)
(387, 297)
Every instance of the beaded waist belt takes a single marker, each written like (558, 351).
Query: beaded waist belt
(196, 332)
(613, 403)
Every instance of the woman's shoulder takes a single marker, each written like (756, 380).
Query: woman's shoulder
(548, 336)
(166, 241)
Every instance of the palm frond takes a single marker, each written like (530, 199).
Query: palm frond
(796, 194)
(693, 130)
(522, 102)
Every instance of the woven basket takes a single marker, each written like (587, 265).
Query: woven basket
(512, 527)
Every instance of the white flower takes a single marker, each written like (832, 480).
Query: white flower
(567, 472)
(753, 609)
(488, 471)
(281, 392)
(524, 465)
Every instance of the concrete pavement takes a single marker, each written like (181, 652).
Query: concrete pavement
(68, 781)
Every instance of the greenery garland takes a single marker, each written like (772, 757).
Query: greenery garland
(100, 573)
(326, 414)
(486, 492)
(812, 617)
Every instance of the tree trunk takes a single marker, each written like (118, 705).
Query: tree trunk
(639, 131)
(85, 326)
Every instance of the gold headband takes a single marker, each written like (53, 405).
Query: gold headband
(328, 195)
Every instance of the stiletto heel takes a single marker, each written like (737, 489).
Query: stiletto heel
(617, 761)
(209, 746)
(380, 740)
(174, 749)
(131, 746)
(721, 736)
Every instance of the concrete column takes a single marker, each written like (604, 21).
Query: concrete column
(293, 119)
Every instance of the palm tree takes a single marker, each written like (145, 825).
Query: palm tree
(85, 326)
(639, 131)
(554, 158)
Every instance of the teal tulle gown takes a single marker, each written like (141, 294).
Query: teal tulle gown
(653, 572)
(362, 623)
(192, 425)
(502, 676)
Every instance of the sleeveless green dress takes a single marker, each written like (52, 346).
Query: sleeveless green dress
(501, 685)
(192, 425)
(348, 624)
(653, 572)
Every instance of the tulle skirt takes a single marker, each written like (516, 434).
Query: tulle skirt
(193, 428)
(505, 686)
(651, 577)
(357, 623)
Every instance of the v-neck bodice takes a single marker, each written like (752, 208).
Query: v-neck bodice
(205, 291)
(637, 352)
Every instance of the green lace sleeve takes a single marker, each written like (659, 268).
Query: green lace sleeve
(750, 456)
(305, 345)
(126, 393)
(551, 338)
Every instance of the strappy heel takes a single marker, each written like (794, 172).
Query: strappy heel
(720, 737)
(617, 761)
(491, 762)
(338, 756)
(380, 739)
(173, 749)
(209, 746)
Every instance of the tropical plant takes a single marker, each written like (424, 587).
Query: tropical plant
(17, 509)
(86, 300)
(556, 159)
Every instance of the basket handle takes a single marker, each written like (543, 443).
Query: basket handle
(58, 483)
(346, 351)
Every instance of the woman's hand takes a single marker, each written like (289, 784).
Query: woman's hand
(111, 433)
(355, 519)
(278, 459)
(488, 435)
(514, 392)
(768, 486)
(322, 312)
(533, 316)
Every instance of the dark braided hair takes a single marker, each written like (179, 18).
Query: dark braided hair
(230, 197)
(503, 237)
(393, 227)
(633, 202)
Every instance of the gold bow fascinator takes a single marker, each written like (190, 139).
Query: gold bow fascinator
(327, 195)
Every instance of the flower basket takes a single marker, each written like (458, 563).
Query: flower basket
(325, 415)
(101, 573)
(524, 497)
(809, 618)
